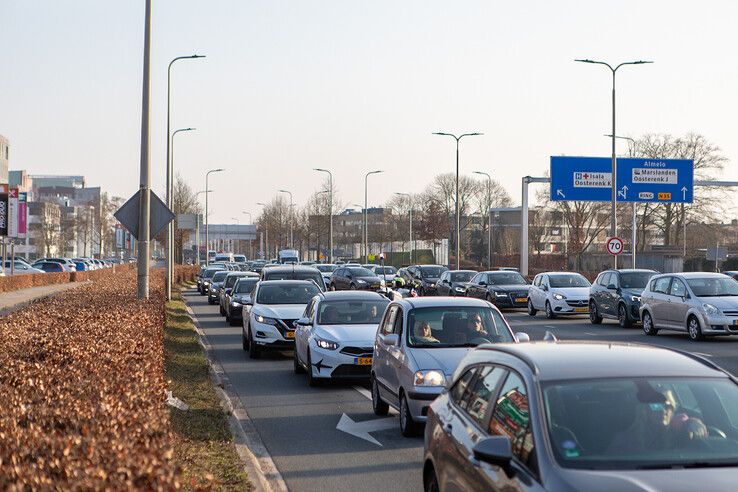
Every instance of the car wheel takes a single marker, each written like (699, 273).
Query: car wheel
(254, 351)
(648, 327)
(297, 366)
(408, 426)
(695, 331)
(549, 312)
(210, 301)
(531, 310)
(312, 381)
(623, 318)
(352, 287)
(378, 405)
(431, 481)
(594, 314)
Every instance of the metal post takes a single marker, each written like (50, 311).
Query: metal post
(366, 215)
(145, 175)
(614, 183)
(292, 242)
(207, 219)
(634, 233)
(489, 212)
(524, 228)
(412, 246)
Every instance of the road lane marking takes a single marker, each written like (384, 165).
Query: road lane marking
(362, 429)
(364, 391)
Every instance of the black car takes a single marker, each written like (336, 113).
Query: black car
(424, 278)
(48, 266)
(454, 282)
(237, 297)
(577, 416)
(354, 278)
(227, 285)
(732, 274)
(293, 272)
(216, 281)
(504, 289)
(206, 275)
(616, 294)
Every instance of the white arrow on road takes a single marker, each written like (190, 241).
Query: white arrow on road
(560, 193)
(623, 192)
(362, 429)
(684, 192)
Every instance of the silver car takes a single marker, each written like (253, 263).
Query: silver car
(418, 345)
(699, 303)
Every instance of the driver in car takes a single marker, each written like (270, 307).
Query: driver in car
(476, 327)
(422, 333)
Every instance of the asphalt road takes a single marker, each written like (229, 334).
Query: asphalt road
(297, 424)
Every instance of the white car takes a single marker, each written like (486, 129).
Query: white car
(334, 338)
(273, 308)
(558, 293)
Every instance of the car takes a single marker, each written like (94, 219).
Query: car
(454, 282)
(699, 303)
(274, 306)
(239, 258)
(583, 416)
(205, 277)
(293, 272)
(308, 263)
(49, 266)
(616, 294)
(238, 297)
(326, 269)
(216, 282)
(731, 274)
(503, 288)
(404, 275)
(417, 346)
(558, 293)
(20, 267)
(354, 278)
(386, 274)
(227, 285)
(334, 338)
(257, 265)
(66, 263)
(424, 278)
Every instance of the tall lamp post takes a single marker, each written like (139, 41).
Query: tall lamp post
(458, 219)
(266, 231)
(238, 225)
(251, 221)
(207, 220)
(366, 214)
(292, 242)
(489, 214)
(634, 227)
(614, 179)
(170, 226)
(197, 229)
(330, 211)
(410, 202)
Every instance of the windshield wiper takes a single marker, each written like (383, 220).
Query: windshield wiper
(688, 464)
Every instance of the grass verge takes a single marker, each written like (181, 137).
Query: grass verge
(202, 442)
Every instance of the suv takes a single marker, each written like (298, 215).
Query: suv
(227, 287)
(293, 272)
(424, 278)
(616, 294)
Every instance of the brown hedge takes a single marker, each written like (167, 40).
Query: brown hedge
(82, 390)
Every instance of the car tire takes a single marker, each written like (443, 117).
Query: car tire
(312, 381)
(549, 312)
(694, 329)
(431, 481)
(379, 406)
(623, 319)
(531, 310)
(297, 366)
(210, 301)
(352, 287)
(648, 326)
(594, 314)
(408, 427)
(254, 351)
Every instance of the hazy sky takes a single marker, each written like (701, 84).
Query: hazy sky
(354, 86)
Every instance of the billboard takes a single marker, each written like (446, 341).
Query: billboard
(22, 214)
(13, 212)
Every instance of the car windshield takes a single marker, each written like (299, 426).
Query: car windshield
(388, 270)
(360, 272)
(462, 276)
(458, 326)
(651, 423)
(351, 312)
(432, 271)
(635, 280)
(245, 285)
(210, 272)
(325, 268)
(230, 281)
(288, 275)
(713, 287)
(564, 281)
(506, 278)
(286, 293)
(220, 276)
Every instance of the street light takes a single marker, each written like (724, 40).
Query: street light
(489, 213)
(251, 221)
(170, 226)
(366, 214)
(238, 224)
(207, 220)
(613, 218)
(266, 231)
(292, 243)
(197, 227)
(330, 211)
(634, 226)
(458, 219)
(410, 201)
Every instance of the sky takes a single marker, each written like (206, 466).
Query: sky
(354, 86)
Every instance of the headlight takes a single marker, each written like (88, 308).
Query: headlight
(710, 309)
(559, 297)
(635, 298)
(265, 320)
(326, 344)
(459, 289)
(500, 294)
(430, 378)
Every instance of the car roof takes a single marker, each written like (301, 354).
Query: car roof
(433, 301)
(242, 274)
(561, 273)
(627, 270)
(293, 268)
(271, 282)
(689, 275)
(590, 360)
(460, 271)
(351, 295)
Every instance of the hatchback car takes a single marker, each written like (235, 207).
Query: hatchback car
(559, 293)
(227, 286)
(699, 303)
(238, 297)
(334, 338)
(205, 277)
(454, 282)
(504, 289)
(354, 278)
(616, 294)
(417, 347)
(425, 277)
(583, 416)
(49, 266)
(215, 283)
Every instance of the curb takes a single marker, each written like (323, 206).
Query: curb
(249, 446)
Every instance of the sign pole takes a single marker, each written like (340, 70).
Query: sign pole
(145, 186)
(614, 212)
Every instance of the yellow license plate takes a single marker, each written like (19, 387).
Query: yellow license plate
(363, 361)
(521, 299)
(289, 334)
(735, 322)
(581, 310)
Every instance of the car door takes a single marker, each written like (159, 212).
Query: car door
(396, 355)
(442, 286)
(302, 332)
(543, 291)
(479, 287)
(611, 295)
(603, 294)
(381, 362)
(659, 304)
(677, 304)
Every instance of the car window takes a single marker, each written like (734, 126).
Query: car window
(286, 293)
(351, 312)
(397, 328)
(481, 391)
(635, 280)
(537, 281)
(244, 286)
(455, 326)
(511, 418)
(505, 278)
(389, 320)
(604, 279)
(713, 287)
(459, 388)
(568, 280)
(310, 309)
(678, 288)
(661, 285)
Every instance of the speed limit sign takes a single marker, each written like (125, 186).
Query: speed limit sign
(614, 245)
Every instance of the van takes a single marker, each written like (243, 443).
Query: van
(289, 256)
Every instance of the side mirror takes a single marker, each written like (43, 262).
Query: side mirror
(612, 287)
(228, 291)
(303, 322)
(522, 337)
(544, 288)
(496, 451)
(392, 339)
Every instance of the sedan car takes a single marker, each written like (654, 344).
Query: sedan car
(334, 338)
(504, 289)
(354, 278)
(454, 282)
(699, 303)
(616, 294)
(559, 293)
(274, 307)
(417, 347)
(580, 416)
(215, 283)
(238, 297)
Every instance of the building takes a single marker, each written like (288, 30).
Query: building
(44, 227)
(48, 181)
(4, 159)
(21, 180)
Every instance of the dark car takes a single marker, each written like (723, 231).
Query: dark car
(580, 416)
(424, 278)
(227, 285)
(293, 272)
(237, 297)
(616, 294)
(354, 278)
(454, 282)
(213, 290)
(48, 266)
(503, 288)
(206, 275)
(733, 275)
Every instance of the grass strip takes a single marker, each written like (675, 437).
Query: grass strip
(202, 442)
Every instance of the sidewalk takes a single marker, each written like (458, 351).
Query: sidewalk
(10, 301)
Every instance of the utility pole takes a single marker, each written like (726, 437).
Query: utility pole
(145, 182)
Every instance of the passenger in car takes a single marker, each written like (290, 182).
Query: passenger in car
(422, 333)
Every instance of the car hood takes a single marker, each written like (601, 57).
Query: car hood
(650, 480)
(430, 280)
(510, 288)
(281, 311)
(445, 359)
(369, 280)
(242, 298)
(464, 285)
(364, 334)
(727, 303)
(572, 292)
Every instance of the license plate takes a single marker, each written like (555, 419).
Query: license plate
(521, 299)
(581, 310)
(289, 334)
(376, 286)
(735, 322)
(363, 361)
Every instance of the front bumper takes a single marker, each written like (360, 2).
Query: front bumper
(719, 325)
(510, 301)
(269, 337)
(347, 362)
(570, 306)
(419, 400)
